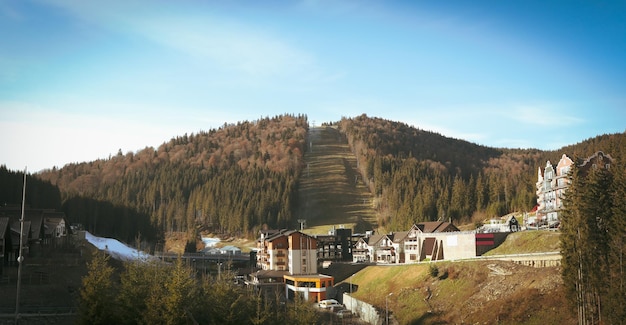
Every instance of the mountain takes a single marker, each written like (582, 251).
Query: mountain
(242, 177)
(421, 176)
(233, 179)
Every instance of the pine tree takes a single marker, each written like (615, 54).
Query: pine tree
(181, 295)
(592, 245)
(97, 294)
(301, 312)
(616, 297)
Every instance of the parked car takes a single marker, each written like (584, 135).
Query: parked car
(331, 304)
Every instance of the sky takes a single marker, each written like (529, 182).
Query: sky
(80, 80)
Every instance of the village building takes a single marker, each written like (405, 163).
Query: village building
(335, 246)
(288, 259)
(38, 225)
(597, 160)
(5, 242)
(552, 183)
(551, 186)
(423, 241)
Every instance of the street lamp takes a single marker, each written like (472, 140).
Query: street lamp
(387, 307)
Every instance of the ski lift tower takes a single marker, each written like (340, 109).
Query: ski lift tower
(302, 223)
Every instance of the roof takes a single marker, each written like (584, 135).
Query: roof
(231, 248)
(286, 234)
(308, 276)
(376, 239)
(278, 234)
(50, 224)
(15, 232)
(267, 274)
(400, 236)
(36, 221)
(373, 239)
(269, 232)
(436, 226)
(34, 216)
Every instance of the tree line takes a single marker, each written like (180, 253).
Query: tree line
(40, 194)
(244, 176)
(593, 243)
(153, 292)
(422, 176)
(233, 179)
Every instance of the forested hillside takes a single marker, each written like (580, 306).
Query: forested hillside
(39, 194)
(234, 179)
(420, 176)
(241, 177)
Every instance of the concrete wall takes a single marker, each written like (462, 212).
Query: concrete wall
(458, 245)
(540, 263)
(366, 312)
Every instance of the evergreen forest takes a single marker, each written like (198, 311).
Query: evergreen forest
(155, 292)
(593, 244)
(423, 176)
(242, 177)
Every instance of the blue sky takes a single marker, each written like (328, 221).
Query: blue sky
(81, 79)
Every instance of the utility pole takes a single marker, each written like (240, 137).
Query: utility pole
(20, 258)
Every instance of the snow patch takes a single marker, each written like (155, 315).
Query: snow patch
(117, 249)
(210, 241)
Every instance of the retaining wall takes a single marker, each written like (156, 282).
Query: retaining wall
(366, 312)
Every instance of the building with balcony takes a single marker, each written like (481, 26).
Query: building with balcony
(289, 259)
(552, 184)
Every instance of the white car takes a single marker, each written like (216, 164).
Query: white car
(331, 304)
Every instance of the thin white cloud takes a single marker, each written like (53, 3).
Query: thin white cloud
(543, 115)
(229, 45)
(203, 36)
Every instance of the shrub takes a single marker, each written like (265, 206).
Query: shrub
(433, 270)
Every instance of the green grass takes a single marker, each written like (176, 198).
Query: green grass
(530, 241)
(464, 292)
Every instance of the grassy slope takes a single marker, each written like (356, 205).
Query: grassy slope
(531, 241)
(330, 191)
(471, 292)
(466, 292)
